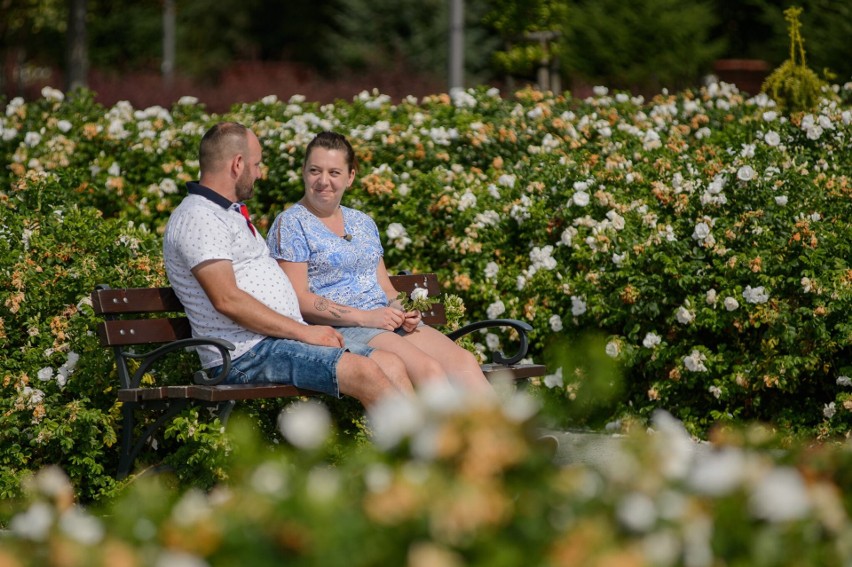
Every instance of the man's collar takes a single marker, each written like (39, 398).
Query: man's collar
(195, 188)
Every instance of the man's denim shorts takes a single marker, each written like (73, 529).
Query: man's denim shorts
(285, 361)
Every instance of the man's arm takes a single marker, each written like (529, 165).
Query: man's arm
(318, 309)
(220, 284)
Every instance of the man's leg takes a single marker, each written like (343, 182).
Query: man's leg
(421, 368)
(363, 379)
(394, 368)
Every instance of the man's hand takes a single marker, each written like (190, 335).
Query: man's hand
(321, 335)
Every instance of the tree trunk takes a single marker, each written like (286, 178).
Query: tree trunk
(77, 54)
(168, 67)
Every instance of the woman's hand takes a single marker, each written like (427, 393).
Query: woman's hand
(386, 318)
(412, 319)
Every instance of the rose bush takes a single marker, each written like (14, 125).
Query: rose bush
(706, 234)
(460, 482)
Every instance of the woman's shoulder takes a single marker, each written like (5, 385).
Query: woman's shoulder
(356, 214)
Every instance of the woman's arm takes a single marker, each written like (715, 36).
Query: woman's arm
(319, 310)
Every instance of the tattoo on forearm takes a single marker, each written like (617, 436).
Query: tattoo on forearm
(323, 304)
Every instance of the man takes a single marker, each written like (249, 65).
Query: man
(221, 270)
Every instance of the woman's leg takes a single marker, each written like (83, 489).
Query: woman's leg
(421, 367)
(459, 364)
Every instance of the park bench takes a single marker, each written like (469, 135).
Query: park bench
(145, 325)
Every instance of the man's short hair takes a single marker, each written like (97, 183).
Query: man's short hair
(221, 143)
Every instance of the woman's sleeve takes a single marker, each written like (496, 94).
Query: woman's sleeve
(287, 240)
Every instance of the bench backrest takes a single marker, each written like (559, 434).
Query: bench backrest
(121, 328)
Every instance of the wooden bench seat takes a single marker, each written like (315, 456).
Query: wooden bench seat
(145, 325)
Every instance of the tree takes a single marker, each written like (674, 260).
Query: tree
(643, 45)
(77, 55)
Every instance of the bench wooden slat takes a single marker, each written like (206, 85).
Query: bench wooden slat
(142, 394)
(143, 331)
(518, 372)
(135, 300)
(227, 392)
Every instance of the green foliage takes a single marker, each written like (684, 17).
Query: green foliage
(376, 35)
(793, 85)
(643, 46)
(703, 234)
(513, 21)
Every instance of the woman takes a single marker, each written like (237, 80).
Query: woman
(333, 257)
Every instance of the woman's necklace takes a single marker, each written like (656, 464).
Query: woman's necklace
(333, 222)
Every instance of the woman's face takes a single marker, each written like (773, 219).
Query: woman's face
(327, 176)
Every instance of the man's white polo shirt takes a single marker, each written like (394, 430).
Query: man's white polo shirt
(200, 229)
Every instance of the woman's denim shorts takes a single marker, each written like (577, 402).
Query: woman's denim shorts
(285, 361)
(363, 335)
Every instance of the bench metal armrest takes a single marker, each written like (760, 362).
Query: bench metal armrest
(151, 357)
(499, 358)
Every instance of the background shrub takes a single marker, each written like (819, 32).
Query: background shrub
(704, 234)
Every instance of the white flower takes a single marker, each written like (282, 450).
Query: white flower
(636, 511)
(555, 323)
(684, 316)
(618, 259)
(45, 374)
(495, 309)
(781, 200)
(828, 410)
(715, 390)
(651, 340)
(578, 306)
(746, 173)
(755, 294)
(717, 473)
(187, 100)
(492, 341)
(467, 200)
(35, 523)
(695, 361)
(844, 381)
(613, 349)
(616, 219)
(581, 198)
(711, 297)
(419, 294)
(506, 180)
(31, 139)
(81, 527)
(701, 232)
(168, 186)
(568, 236)
(64, 126)
(305, 424)
(770, 115)
(731, 303)
(394, 418)
(491, 270)
(554, 380)
(781, 496)
(398, 235)
(807, 284)
(52, 94)
(772, 138)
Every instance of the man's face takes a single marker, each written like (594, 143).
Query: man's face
(251, 172)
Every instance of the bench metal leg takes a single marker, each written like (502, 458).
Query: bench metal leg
(128, 453)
